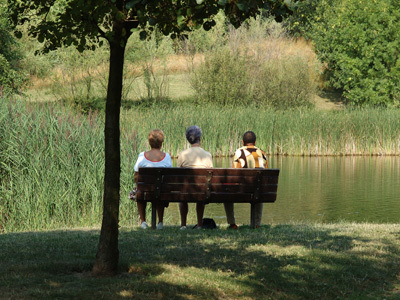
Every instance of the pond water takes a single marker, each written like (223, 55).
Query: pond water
(323, 189)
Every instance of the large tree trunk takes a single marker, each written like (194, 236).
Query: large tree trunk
(107, 256)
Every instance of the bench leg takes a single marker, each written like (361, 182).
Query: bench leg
(153, 215)
(253, 216)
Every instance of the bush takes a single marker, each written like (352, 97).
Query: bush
(259, 65)
(285, 83)
(360, 42)
(223, 78)
(305, 13)
(11, 79)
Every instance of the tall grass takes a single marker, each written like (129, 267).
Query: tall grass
(52, 167)
(52, 159)
(279, 132)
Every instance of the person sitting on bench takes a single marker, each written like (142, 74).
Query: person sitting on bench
(248, 156)
(193, 157)
(153, 158)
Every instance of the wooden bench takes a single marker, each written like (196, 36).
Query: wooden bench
(207, 185)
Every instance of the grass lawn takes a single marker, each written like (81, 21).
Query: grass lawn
(287, 261)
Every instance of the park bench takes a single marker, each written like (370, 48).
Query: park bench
(207, 185)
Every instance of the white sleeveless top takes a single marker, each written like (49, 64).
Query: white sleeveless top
(142, 161)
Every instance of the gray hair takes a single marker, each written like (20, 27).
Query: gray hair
(193, 134)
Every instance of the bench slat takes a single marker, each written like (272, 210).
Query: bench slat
(265, 180)
(205, 171)
(214, 197)
(201, 188)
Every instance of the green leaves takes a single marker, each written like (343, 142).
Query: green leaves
(357, 40)
(18, 34)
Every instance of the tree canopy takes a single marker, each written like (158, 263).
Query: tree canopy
(82, 23)
(59, 23)
(10, 79)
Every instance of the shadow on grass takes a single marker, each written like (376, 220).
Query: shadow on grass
(277, 262)
(334, 96)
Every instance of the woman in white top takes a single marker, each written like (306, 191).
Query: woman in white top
(153, 158)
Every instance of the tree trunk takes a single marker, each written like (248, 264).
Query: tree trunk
(107, 256)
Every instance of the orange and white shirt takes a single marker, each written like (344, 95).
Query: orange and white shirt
(250, 157)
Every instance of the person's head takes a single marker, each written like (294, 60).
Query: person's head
(249, 137)
(193, 134)
(156, 138)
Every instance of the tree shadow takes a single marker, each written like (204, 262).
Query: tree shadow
(277, 262)
(334, 96)
(328, 265)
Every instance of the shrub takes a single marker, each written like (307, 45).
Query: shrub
(223, 78)
(285, 83)
(305, 13)
(11, 79)
(360, 42)
(258, 65)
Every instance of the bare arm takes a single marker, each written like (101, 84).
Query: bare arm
(136, 177)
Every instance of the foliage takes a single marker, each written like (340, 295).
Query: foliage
(285, 83)
(11, 80)
(305, 13)
(252, 68)
(222, 78)
(360, 42)
(148, 60)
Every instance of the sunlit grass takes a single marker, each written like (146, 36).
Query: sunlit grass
(278, 261)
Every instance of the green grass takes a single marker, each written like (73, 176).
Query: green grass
(279, 132)
(52, 159)
(281, 261)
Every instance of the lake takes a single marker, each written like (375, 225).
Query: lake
(323, 189)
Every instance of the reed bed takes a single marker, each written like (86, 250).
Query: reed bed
(279, 132)
(52, 167)
(52, 159)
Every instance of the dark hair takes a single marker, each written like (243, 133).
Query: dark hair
(156, 138)
(249, 137)
(193, 134)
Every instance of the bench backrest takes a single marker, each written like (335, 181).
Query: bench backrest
(207, 185)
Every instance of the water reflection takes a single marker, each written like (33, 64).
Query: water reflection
(326, 189)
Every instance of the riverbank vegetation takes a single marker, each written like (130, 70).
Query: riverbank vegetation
(291, 261)
(53, 160)
(52, 149)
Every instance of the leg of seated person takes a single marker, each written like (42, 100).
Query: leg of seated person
(200, 213)
(160, 212)
(183, 209)
(142, 210)
(259, 213)
(230, 214)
